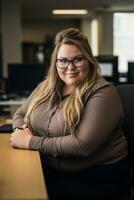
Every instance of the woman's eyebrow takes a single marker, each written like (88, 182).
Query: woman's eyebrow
(62, 57)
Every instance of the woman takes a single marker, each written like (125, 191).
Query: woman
(74, 118)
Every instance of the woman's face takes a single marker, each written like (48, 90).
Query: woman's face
(72, 67)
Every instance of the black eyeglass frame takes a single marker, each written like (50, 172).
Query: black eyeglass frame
(70, 61)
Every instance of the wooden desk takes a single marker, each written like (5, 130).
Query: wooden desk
(21, 176)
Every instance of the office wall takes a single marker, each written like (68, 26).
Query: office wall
(35, 31)
(10, 33)
(105, 33)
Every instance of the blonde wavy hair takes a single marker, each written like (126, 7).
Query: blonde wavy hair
(73, 105)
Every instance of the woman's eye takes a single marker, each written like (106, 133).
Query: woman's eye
(78, 59)
(63, 61)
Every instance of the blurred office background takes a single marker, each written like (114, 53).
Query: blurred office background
(28, 27)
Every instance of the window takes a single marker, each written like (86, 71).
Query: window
(124, 39)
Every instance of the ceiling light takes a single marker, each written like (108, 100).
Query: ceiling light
(69, 12)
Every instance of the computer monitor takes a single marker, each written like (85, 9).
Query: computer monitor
(106, 69)
(23, 78)
(109, 67)
(130, 75)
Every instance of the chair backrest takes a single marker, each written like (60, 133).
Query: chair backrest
(126, 93)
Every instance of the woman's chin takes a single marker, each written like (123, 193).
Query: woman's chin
(72, 83)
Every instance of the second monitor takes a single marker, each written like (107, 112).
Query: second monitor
(109, 67)
(23, 78)
(130, 75)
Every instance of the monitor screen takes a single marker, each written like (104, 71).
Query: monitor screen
(106, 69)
(23, 78)
(109, 67)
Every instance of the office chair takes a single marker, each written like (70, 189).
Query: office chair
(126, 93)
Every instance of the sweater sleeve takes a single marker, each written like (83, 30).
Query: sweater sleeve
(100, 119)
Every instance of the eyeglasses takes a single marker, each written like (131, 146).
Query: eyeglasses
(77, 61)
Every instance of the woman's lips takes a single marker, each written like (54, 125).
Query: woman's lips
(72, 74)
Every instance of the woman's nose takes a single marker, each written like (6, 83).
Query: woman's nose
(71, 66)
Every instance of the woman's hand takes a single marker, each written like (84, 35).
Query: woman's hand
(21, 138)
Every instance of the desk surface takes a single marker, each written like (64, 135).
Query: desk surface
(21, 176)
